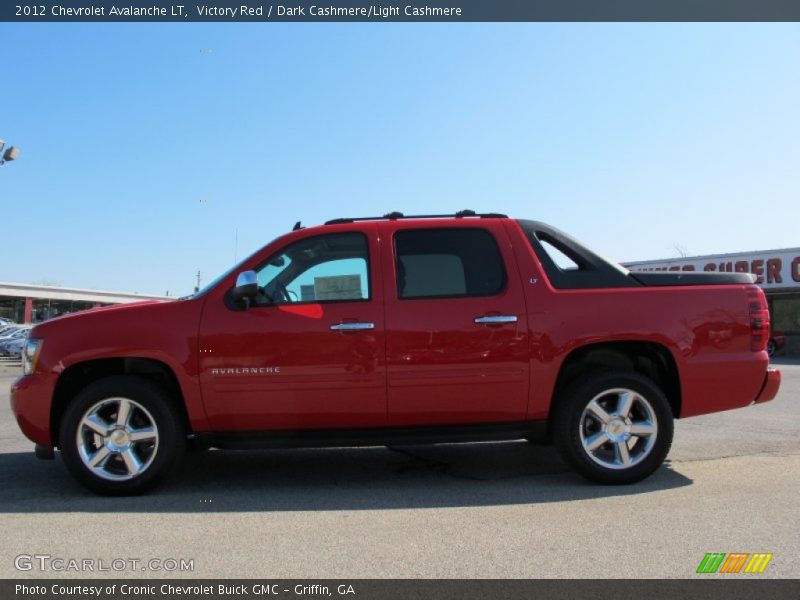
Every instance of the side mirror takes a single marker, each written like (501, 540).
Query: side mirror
(246, 286)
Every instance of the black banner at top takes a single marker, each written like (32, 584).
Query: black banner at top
(322, 11)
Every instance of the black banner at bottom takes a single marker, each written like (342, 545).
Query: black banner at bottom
(397, 589)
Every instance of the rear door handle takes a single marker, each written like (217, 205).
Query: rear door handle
(496, 319)
(352, 326)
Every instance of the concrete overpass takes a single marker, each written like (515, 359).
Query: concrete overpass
(26, 303)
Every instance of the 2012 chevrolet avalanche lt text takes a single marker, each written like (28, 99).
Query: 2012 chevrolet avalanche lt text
(393, 330)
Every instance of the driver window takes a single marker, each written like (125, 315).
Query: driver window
(324, 268)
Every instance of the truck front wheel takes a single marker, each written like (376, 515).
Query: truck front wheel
(120, 435)
(613, 427)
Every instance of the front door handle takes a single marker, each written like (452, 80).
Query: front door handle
(352, 326)
(496, 319)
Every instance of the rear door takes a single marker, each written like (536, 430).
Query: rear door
(456, 331)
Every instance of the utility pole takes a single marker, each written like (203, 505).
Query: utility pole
(197, 287)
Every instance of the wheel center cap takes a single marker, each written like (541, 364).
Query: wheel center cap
(617, 430)
(119, 439)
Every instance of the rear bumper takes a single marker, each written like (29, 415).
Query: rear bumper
(772, 382)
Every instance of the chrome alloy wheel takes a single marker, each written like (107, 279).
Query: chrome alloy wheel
(117, 439)
(618, 428)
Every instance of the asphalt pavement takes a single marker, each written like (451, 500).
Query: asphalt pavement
(505, 510)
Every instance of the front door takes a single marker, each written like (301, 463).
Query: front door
(309, 351)
(457, 342)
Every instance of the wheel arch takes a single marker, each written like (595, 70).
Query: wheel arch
(651, 359)
(77, 376)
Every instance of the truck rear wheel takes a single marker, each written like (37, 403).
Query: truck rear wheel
(121, 435)
(613, 427)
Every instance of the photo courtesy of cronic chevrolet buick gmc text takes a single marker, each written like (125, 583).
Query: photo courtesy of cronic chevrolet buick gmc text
(393, 330)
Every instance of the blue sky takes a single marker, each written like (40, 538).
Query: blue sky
(144, 148)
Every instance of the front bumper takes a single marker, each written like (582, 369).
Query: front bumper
(772, 382)
(31, 396)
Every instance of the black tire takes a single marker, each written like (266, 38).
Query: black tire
(162, 455)
(569, 423)
(771, 348)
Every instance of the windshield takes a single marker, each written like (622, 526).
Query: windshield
(209, 286)
(213, 283)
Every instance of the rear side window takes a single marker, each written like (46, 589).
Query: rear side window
(558, 256)
(571, 265)
(447, 263)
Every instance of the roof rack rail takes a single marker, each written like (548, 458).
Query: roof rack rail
(392, 216)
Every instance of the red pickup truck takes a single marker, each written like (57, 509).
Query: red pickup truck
(399, 330)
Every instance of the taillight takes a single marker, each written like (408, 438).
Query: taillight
(759, 318)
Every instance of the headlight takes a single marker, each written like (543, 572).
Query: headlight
(30, 354)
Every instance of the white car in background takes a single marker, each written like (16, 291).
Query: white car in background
(13, 348)
(18, 333)
(6, 330)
